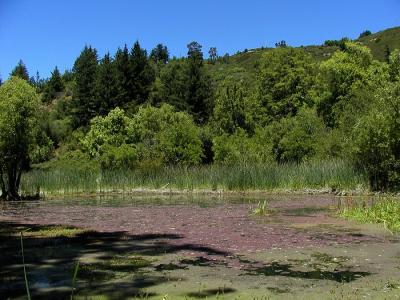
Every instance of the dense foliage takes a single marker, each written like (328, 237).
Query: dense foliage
(19, 105)
(158, 135)
(138, 111)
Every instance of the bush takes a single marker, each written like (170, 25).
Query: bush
(122, 157)
(239, 148)
(296, 139)
(166, 133)
(159, 134)
(377, 139)
(106, 131)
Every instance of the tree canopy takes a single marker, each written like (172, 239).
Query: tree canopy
(19, 105)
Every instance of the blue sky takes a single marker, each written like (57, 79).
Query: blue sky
(46, 33)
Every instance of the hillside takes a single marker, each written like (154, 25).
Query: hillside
(378, 42)
(243, 65)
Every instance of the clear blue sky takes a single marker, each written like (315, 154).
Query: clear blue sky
(46, 33)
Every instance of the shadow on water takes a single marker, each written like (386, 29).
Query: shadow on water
(279, 269)
(305, 211)
(51, 251)
(211, 292)
(202, 262)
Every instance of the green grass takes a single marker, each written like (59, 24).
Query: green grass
(377, 42)
(385, 211)
(334, 174)
(262, 209)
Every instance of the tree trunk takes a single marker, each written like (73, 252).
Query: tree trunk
(3, 187)
(12, 185)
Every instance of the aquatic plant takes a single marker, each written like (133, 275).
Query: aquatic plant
(330, 175)
(385, 211)
(261, 209)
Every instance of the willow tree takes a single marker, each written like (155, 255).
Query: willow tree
(19, 104)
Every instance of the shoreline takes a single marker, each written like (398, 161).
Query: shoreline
(215, 193)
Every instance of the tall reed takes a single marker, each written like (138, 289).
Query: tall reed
(335, 174)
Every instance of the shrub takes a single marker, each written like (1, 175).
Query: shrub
(377, 139)
(296, 139)
(166, 133)
(239, 148)
(106, 131)
(122, 157)
(152, 134)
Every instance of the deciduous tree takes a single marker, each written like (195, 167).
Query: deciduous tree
(19, 104)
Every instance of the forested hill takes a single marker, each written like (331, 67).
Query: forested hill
(244, 64)
(282, 105)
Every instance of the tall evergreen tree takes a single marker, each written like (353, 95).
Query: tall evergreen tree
(173, 84)
(387, 54)
(20, 71)
(142, 75)
(198, 86)
(213, 54)
(38, 82)
(122, 77)
(54, 86)
(160, 54)
(85, 104)
(106, 89)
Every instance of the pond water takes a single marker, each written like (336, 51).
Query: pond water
(191, 246)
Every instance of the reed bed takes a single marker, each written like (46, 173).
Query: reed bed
(334, 175)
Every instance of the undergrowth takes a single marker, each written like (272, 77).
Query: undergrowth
(383, 211)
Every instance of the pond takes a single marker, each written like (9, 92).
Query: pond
(193, 246)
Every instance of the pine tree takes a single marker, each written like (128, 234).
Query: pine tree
(173, 80)
(142, 75)
(85, 104)
(213, 54)
(198, 86)
(160, 54)
(38, 82)
(54, 86)
(106, 89)
(20, 71)
(122, 77)
(387, 53)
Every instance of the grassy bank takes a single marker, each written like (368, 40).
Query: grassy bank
(384, 211)
(335, 175)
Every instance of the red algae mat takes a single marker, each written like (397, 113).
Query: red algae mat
(135, 247)
(226, 227)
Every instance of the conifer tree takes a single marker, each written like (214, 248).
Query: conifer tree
(54, 86)
(85, 104)
(213, 54)
(106, 89)
(122, 77)
(20, 71)
(387, 54)
(142, 75)
(160, 54)
(198, 86)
